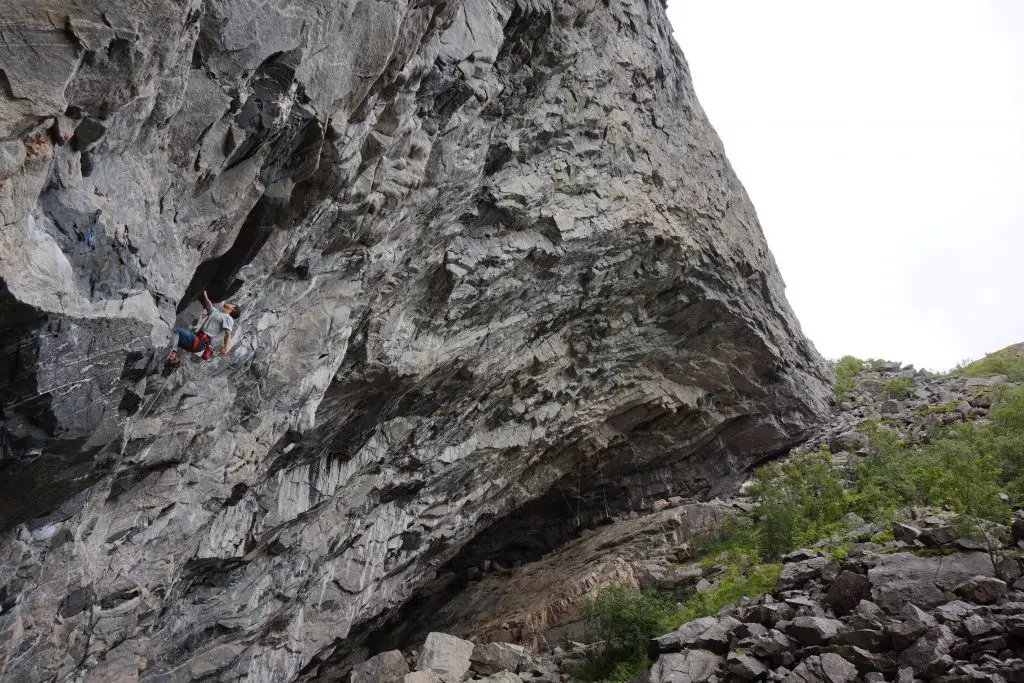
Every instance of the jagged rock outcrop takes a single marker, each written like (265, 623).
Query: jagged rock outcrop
(492, 262)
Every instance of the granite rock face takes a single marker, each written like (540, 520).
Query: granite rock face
(494, 267)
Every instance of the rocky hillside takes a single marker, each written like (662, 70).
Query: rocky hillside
(538, 603)
(889, 612)
(916, 593)
(493, 266)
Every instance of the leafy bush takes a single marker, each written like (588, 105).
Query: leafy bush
(846, 368)
(899, 388)
(886, 480)
(625, 619)
(800, 500)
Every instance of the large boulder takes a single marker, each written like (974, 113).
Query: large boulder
(929, 656)
(774, 646)
(826, 668)
(847, 591)
(927, 582)
(796, 574)
(983, 590)
(445, 655)
(683, 636)
(814, 630)
(745, 666)
(490, 658)
(913, 623)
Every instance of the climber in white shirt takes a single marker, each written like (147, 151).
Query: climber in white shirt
(217, 323)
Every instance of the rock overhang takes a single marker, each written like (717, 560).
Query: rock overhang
(491, 254)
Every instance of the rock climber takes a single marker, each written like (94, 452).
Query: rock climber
(217, 323)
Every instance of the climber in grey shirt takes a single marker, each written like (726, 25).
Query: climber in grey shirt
(217, 323)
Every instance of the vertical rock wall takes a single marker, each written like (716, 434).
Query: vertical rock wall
(498, 281)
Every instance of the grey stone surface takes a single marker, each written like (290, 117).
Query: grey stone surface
(867, 615)
(927, 582)
(913, 622)
(746, 667)
(490, 658)
(491, 257)
(12, 157)
(929, 656)
(773, 645)
(795, 575)
(847, 591)
(983, 590)
(386, 667)
(716, 639)
(813, 630)
(905, 532)
(693, 666)
(502, 677)
(872, 640)
(826, 668)
(683, 636)
(865, 660)
(421, 677)
(445, 655)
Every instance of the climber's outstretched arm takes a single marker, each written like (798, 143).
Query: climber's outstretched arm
(207, 304)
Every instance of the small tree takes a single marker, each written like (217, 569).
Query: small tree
(963, 476)
(799, 501)
(626, 618)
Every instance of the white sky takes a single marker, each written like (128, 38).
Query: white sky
(882, 143)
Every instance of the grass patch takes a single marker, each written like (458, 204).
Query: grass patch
(938, 410)
(737, 583)
(1008, 361)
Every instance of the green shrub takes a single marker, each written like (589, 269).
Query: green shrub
(625, 619)
(800, 501)
(846, 368)
(886, 479)
(899, 388)
(1003, 437)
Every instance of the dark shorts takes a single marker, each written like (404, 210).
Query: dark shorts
(189, 341)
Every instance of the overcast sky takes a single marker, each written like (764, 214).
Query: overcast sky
(882, 143)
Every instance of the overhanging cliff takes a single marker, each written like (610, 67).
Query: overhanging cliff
(499, 282)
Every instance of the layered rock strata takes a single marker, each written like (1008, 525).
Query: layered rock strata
(492, 262)
(539, 603)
